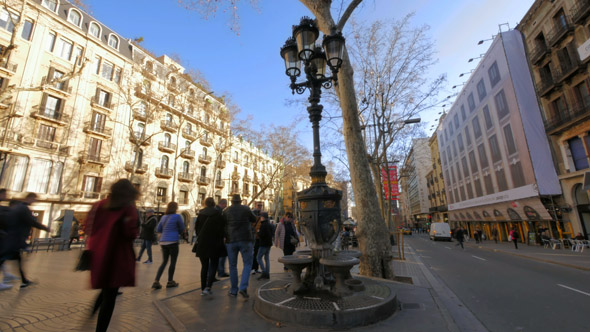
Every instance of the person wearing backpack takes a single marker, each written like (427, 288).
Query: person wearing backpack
(171, 228)
(147, 235)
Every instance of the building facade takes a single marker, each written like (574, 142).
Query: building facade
(557, 40)
(496, 160)
(82, 107)
(414, 184)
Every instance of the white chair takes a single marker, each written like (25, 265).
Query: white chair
(546, 243)
(555, 244)
(573, 244)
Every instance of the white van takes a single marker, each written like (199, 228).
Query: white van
(440, 231)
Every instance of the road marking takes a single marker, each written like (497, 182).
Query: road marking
(483, 259)
(575, 290)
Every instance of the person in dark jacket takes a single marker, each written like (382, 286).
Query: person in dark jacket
(460, 235)
(265, 242)
(17, 232)
(257, 211)
(238, 221)
(74, 233)
(221, 273)
(210, 245)
(148, 235)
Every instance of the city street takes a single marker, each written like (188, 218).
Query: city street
(506, 292)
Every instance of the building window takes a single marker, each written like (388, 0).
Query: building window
(107, 70)
(27, 31)
(558, 107)
(478, 189)
(456, 120)
(15, 168)
(471, 102)
(183, 197)
(560, 20)
(460, 142)
(161, 194)
(186, 167)
(476, 127)
(167, 139)
(487, 117)
(164, 162)
(582, 94)
(473, 162)
(51, 107)
(50, 4)
(98, 121)
(114, 41)
(94, 30)
(517, 175)
(78, 55)
(91, 186)
(483, 159)
(137, 158)
(481, 90)
(467, 136)
(117, 77)
(494, 74)
(203, 171)
(63, 49)
(46, 134)
(458, 171)
(501, 177)
(465, 167)
(463, 116)
(487, 179)
(454, 149)
(462, 191)
(55, 183)
(578, 153)
(50, 42)
(103, 98)
(510, 145)
(39, 175)
(74, 17)
(501, 105)
(495, 149)
(94, 147)
(7, 20)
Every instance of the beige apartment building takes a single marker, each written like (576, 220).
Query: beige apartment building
(435, 183)
(415, 203)
(83, 106)
(557, 38)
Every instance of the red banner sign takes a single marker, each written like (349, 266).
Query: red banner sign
(390, 183)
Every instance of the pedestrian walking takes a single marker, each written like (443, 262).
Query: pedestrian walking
(112, 227)
(257, 210)
(460, 236)
(514, 237)
(495, 234)
(148, 235)
(286, 236)
(476, 236)
(74, 233)
(171, 228)
(4, 224)
(20, 222)
(221, 271)
(265, 240)
(210, 244)
(238, 221)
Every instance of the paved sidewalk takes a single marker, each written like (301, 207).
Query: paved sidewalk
(61, 300)
(564, 257)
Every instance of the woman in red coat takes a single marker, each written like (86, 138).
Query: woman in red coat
(112, 225)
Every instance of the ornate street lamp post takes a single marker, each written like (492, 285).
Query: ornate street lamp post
(319, 204)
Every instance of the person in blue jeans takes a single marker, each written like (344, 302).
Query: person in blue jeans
(172, 228)
(238, 221)
(265, 242)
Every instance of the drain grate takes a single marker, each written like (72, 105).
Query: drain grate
(411, 306)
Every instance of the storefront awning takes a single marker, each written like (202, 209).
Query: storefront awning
(526, 209)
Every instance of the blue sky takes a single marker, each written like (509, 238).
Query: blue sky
(249, 66)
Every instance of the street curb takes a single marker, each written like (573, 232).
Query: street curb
(536, 259)
(174, 322)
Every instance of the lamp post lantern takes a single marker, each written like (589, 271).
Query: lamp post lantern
(319, 204)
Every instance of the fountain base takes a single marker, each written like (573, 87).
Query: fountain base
(321, 309)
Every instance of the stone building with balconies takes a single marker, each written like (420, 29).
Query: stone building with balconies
(557, 39)
(83, 106)
(435, 183)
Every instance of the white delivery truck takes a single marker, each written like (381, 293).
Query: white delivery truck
(440, 231)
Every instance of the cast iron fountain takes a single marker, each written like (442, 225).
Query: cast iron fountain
(326, 295)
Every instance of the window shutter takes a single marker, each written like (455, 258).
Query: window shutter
(98, 185)
(43, 103)
(84, 182)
